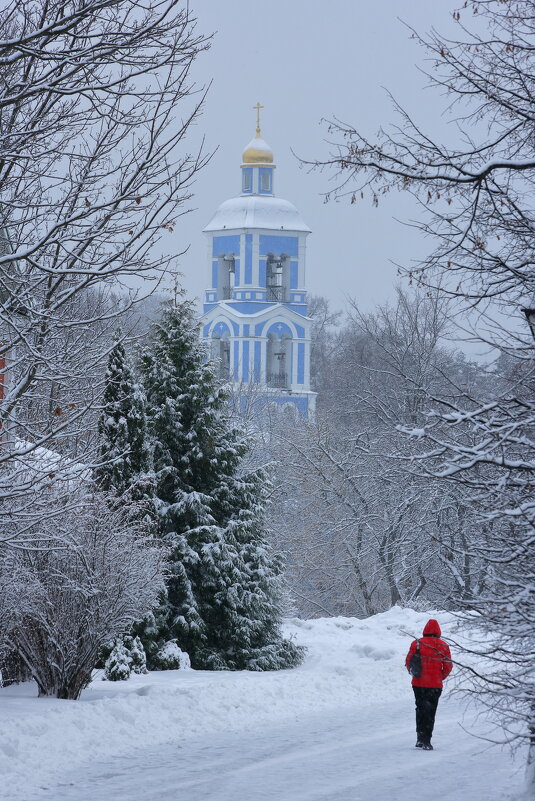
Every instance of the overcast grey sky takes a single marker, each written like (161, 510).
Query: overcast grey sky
(304, 60)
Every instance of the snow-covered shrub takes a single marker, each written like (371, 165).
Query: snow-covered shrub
(59, 607)
(118, 665)
(171, 657)
(136, 652)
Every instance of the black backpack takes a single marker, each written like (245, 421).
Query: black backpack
(415, 665)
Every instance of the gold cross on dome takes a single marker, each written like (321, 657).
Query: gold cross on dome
(258, 107)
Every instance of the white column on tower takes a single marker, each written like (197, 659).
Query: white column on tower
(255, 278)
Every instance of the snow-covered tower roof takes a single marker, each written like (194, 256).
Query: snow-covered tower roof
(257, 207)
(254, 211)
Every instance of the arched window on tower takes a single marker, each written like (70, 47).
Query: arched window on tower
(227, 272)
(278, 360)
(220, 348)
(277, 268)
(221, 353)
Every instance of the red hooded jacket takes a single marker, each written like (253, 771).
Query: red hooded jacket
(436, 657)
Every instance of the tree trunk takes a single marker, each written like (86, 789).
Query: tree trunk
(65, 687)
(530, 769)
(361, 582)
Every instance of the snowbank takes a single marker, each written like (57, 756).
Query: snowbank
(350, 663)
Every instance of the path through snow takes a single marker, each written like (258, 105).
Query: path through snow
(338, 728)
(350, 755)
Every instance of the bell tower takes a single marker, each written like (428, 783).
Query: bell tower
(255, 318)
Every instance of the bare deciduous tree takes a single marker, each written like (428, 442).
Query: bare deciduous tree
(476, 196)
(60, 605)
(96, 105)
(360, 530)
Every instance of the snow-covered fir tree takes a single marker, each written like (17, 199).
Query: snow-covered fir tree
(224, 586)
(124, 454)
(118, 664)
(136, 652)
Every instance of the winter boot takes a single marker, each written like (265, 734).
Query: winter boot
(419, 743)
(427, 747)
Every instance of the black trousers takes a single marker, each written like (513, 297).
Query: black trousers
(426, 706)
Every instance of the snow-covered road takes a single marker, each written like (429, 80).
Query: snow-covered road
(346, 755)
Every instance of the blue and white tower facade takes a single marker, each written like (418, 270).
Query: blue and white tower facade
(255, 318)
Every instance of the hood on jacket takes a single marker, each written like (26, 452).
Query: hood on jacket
(432, 628)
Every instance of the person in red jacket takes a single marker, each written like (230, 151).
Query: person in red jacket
(436, 666)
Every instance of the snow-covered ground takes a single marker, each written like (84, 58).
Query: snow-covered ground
(339, 728)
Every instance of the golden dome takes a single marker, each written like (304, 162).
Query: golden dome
(257, 151)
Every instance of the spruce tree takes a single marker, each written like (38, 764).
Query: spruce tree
(124, 471)
(123, 448)
(118, 664)
(136, 652)
(223, 587)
